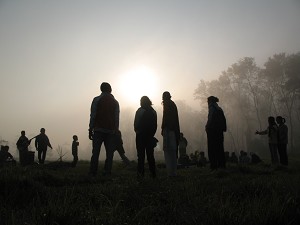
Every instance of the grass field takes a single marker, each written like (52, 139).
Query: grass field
(57, 194)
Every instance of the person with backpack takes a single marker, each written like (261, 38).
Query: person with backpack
(272, 132)
(282, 140)
(104, 123)
(215, 128)
(145, 126)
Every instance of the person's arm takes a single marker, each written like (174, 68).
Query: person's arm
(264, 132)
(48, 142)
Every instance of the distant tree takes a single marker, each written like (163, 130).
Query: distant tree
(283, 75)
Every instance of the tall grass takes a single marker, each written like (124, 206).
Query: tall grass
(55, 194)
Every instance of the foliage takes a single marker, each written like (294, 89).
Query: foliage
(250, 94)
(238, 195)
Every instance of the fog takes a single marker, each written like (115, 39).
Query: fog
(55, 54)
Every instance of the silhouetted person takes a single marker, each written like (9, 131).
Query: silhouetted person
(255, 158)
(120, 149)
(170, 131)
(5, 156)
(233, 158)
(226, 156)
(215, 126)
(272, 132)
(75, 145)
(104, 124)
(22, 145)
(244, 158)
(282, 140)
(183, 157)
(41, 144)
(202, 160)
(145, 126)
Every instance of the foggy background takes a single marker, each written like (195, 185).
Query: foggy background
(55, 54)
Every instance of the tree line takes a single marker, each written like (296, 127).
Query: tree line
(249, 94)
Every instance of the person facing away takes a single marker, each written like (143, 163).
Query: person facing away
(272, 132)
(103, 126)
(120, 149)
(41, 144)
(22, 145)
(215, 128)
(170, 130)
(75, 145)
(145, 126)
(282, 140)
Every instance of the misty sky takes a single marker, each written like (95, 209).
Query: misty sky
(54, 54)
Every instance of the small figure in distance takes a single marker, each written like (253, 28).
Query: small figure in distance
(282, 140)
(145, 126)
(255, 159)
(183, 157)
(244, 158)
(120, 149)
(104, 123)
(233, 158)
(272, 132)
(22, 145)
(41, 144)
(5, 157)
(202, 160)
(75, 145)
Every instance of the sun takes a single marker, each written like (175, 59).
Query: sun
(138, 82)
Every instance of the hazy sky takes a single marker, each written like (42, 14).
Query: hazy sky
(54, 54)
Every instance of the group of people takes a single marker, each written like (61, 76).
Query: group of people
(104, 127)
(41, 144)
(277, 132)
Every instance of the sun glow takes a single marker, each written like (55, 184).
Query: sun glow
(138, 82)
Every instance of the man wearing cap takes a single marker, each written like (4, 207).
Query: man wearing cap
(104, 124)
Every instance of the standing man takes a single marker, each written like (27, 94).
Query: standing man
(215, 126)
(22, 145)
(104, 124)
(41, 144)
(145, 126)
(171, 133)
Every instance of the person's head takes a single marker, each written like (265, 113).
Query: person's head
(181, 134)
(212, 99)
(280, 120)
(42, 130)
(75, 138)
(6, 148)
(145, 102)
(271, 120)
(23, 132)
(166, 96)
(105, 87)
